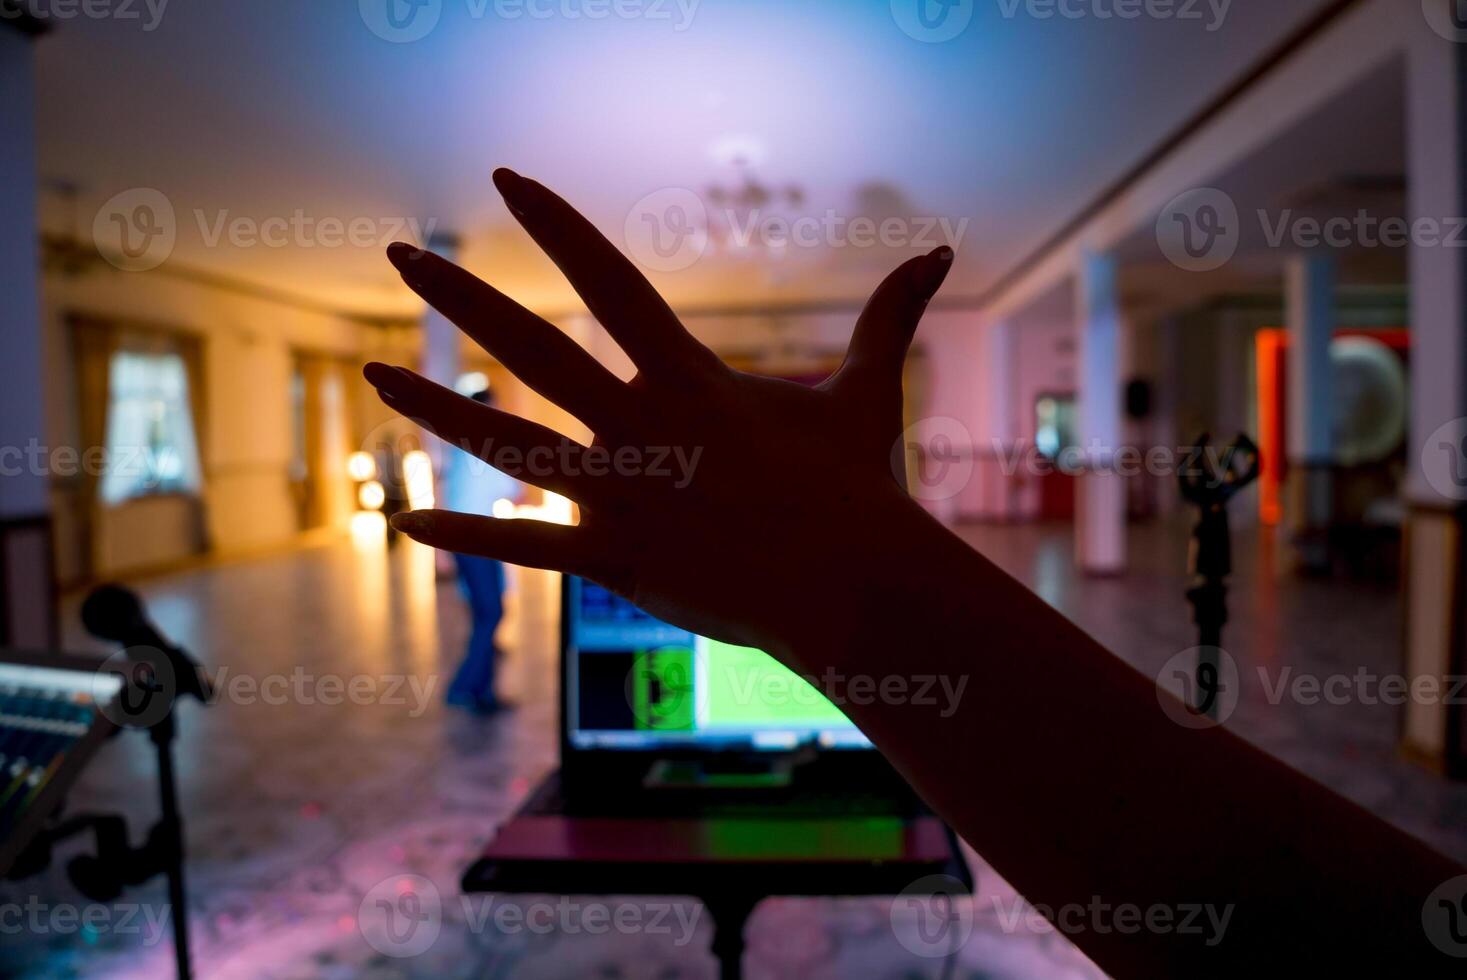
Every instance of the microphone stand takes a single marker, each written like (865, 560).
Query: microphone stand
(170, 836)
(1209, 483)
(163, 671)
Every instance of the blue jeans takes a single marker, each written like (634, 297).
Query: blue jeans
(482, 581)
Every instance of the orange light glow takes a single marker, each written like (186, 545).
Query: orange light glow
(371, 495)
(1269, 347)
(417, 471)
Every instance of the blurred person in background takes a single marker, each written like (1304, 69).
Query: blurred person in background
(472, 486)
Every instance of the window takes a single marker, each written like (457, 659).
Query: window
(150, 428)
(1054, 424)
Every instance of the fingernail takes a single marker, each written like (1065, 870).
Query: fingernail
(387, 378)
(930, 273)
(400, 253)
(413, 522)
(519, 194)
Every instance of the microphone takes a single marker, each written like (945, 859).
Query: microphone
(114, 613)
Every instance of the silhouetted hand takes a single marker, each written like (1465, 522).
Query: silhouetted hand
(789, 531)
(721, 501)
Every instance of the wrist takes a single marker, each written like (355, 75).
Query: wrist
(892, 562)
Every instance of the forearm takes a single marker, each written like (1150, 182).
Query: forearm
(1058, 764)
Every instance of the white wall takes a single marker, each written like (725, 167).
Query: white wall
(247, 434)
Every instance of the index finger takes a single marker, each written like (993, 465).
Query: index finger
(615, 291)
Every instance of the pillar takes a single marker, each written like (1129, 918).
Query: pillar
(998, 362)
(27, 567)
(1435, 582)
(441, 339)
(1309, 300)
(1100, 497)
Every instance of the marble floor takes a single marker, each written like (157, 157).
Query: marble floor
(304, 803)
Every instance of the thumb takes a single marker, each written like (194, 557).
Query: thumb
(873, 364)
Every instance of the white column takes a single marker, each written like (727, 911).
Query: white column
(441, 362)
(27, 588)
(1100, 498)
(1436, 572)
(996, 375)
(1309, 300)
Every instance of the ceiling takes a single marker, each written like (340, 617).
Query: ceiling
(240, 113)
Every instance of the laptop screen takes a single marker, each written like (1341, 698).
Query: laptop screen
(634, 682)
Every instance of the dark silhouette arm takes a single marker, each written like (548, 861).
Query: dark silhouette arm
(794, 534)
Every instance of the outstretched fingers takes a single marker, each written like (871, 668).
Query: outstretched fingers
(615, 291)
(538, 353)
(518, 447)
(533, 544)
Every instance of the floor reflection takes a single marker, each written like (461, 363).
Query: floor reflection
(298, 806)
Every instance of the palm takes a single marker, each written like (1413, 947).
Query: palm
(708, 494)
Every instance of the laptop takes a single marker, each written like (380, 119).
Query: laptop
(679, 749)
